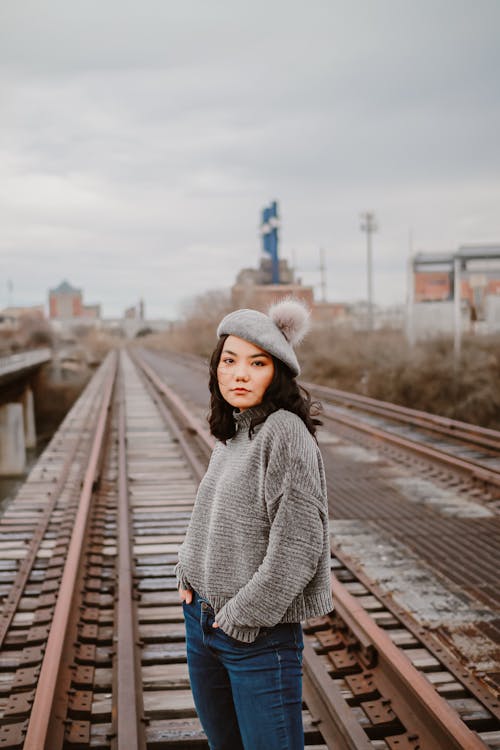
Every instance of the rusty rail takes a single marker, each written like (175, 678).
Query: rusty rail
(470, 468)
(42, 707)
(412, 697)
(484, 436)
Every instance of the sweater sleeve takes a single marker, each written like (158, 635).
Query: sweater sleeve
(296, 535)
(182, 581)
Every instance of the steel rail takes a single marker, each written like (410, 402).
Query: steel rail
(484, 436)
(330, 712)
(128, 708)
(40, 716)
(489, 476)
(427, 637)
(412, 696)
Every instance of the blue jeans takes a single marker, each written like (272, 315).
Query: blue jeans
(248, 695)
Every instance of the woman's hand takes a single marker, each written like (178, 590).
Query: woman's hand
(186, 595)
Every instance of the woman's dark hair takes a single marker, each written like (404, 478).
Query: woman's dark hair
(283, 392)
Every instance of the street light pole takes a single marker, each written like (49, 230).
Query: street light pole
(322, 270)
(369, 225)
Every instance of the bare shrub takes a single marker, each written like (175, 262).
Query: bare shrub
(347, 359)
(96, 345)
(383, 366)
(32, 333)
(195, 332)
(40, 337)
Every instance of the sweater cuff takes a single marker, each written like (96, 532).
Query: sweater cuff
(182, 581)
(247, 635)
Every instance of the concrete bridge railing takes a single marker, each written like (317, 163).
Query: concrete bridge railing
(23, 360)
(17, 417)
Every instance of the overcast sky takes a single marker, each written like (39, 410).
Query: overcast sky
(139, 141)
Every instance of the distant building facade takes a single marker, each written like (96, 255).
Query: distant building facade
(326, 313)
(136, 312)
(93, 312)
(479, 279)
(432, 308)
(264, 273)
(66, 303)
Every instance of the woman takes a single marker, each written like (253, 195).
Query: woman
(256, 558)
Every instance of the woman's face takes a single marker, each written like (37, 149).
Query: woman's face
(244, 372)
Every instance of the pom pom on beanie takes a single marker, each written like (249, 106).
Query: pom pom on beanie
(292, 318)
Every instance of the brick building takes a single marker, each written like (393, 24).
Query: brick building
(434, 274)
(432, 308)
(66, 303)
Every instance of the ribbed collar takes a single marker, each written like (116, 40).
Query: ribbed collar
(243, 418)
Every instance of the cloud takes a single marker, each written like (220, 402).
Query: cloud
(139, 143)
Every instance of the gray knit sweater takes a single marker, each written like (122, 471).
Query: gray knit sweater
(257, 545)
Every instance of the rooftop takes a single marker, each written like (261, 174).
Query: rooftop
(65, 288)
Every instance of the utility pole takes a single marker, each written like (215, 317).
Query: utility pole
(369, 225)
(322, 270)
(410, 293)
(457, 315)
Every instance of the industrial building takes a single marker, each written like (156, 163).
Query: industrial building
(274, 279)
(454, 291)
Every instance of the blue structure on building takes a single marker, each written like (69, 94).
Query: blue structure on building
(269, 231)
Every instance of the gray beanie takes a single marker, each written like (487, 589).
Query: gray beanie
(284, 326)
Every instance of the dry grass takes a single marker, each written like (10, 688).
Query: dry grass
(30, 335)
(97, 344)
(383, 366)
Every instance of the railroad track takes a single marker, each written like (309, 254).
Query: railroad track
(93, 650)
(460, 447)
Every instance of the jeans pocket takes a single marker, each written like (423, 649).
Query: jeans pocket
(298, 636)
